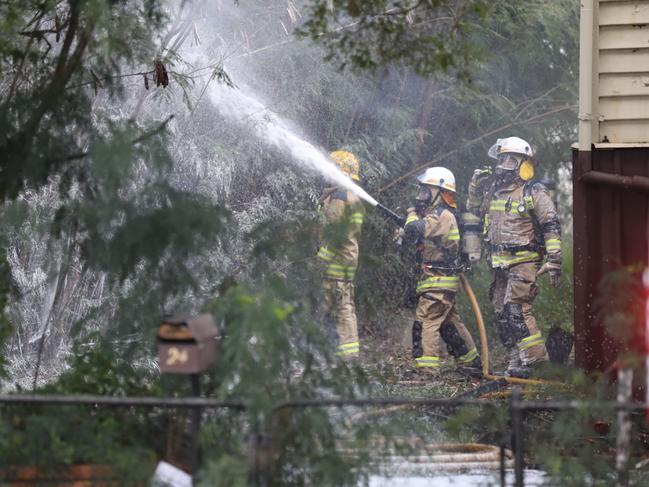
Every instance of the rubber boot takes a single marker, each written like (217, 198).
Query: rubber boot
(473, 370)
(514, 361)
(522, 372)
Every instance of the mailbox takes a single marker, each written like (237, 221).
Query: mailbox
(187, 345)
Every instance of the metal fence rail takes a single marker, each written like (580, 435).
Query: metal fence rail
(518, 407)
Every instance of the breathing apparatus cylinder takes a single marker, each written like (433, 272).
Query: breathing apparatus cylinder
(551, 186)
(471, 236)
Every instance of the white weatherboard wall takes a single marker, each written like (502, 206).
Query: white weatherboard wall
(615, 106)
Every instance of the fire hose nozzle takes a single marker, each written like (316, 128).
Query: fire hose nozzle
(388, 214)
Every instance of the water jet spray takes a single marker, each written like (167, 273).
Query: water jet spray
(271, 128)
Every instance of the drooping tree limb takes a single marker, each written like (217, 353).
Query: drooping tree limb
(534, 119)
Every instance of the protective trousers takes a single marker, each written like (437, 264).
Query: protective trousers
(437, 321)
(512, 293)
(339, 304)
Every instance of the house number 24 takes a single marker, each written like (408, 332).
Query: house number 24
(176, 356)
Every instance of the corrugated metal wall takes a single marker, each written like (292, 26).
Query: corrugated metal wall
(610, 223)
(611, 167)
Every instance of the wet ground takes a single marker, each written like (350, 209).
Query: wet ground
(533, 478)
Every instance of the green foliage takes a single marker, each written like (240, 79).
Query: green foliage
(273, 352)
(620, 307)
(523, 83)
(224, 471)
(127, 236)
(43, 101)
(577, 446)
(52, 437)
(427, 36)
(554, 306)
(94, 180)
(6, 329)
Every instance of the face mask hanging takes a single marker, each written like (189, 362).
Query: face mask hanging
(526, 170)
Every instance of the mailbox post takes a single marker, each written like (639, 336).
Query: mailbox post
(188, 346)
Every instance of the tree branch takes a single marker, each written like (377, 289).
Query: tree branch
(530, 120)
(19, 71)
(141, 138)
(107, 78)
(153, 132)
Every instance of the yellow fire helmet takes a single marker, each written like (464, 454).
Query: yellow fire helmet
(347, 162)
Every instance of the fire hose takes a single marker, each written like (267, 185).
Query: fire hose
(484, 346)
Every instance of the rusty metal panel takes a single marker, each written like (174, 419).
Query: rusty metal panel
(623, 12)
(609, 231)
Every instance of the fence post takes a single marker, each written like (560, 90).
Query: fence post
(503, 437)
(259, 447)
(502, 463)
(623, 443)
(195, 425)
(517, 440)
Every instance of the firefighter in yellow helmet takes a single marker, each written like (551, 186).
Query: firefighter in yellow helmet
(432, 225)
(521, 226)
(343, 215)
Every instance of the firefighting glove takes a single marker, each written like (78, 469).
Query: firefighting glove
(397, 238)
(480, 174)
(414, 232)
(554, 269)
(482, 171)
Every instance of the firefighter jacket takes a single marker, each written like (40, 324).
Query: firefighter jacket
(343, 213)
(438, 236)
(521, 223)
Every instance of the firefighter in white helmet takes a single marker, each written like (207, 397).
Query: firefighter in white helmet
(343, 215)
(433, 227)
(521, 226)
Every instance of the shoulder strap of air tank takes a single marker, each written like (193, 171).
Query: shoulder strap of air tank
(456, 215)
(339, 194)
(437, 211)
(528, 199)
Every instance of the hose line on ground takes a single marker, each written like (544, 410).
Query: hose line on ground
(484, 346)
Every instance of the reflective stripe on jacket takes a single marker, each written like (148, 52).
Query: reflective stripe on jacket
(438, 283)
(511, 229)
(441, 244)
(343, 214)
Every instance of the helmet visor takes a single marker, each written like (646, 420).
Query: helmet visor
(509, 161)
(424, 195)
(494, 149)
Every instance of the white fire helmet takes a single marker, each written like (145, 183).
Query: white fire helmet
(510, 145)
(438, 176)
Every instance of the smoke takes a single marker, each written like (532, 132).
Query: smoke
(244, 108)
